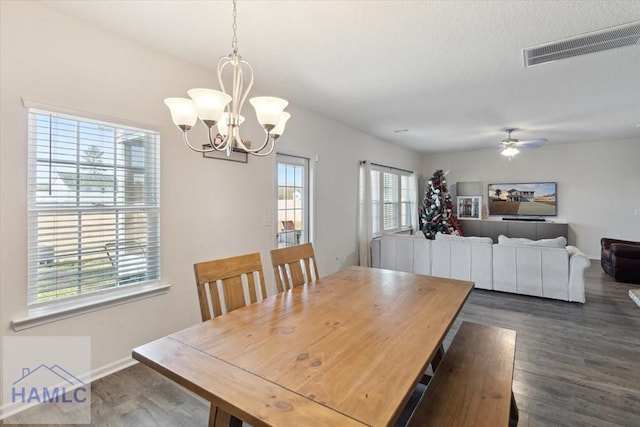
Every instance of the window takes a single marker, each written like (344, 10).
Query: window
(393, 200)
(293, 200)
(93, 206)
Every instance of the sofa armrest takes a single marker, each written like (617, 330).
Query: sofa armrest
(606, 242)
(578, 263)
(625, 250)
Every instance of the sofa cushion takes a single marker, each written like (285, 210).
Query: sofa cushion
(531, 270)
(463, 258)
(403, 254)
(452, 238)
(558, 242)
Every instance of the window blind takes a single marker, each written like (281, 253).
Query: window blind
(407, 192)
(391, 196)
(93, 206)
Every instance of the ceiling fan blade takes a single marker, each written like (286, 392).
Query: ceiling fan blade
(530, 146)
(513, 143)
(532, 141)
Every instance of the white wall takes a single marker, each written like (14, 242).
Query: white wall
(210, 208)
(598, 183)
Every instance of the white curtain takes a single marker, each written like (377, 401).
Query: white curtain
(413, 191)
(364, 214)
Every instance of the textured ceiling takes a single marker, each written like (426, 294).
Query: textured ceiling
(450, 72)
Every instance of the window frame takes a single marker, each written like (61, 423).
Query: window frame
(40, 312)
(307, 228)
(404, 187)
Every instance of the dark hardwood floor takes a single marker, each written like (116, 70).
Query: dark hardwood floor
(576, 365)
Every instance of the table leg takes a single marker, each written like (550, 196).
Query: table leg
(437, 358)
(435, 361)
(514, 414)
(220, 418)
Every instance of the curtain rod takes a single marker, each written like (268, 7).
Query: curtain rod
(385, 166)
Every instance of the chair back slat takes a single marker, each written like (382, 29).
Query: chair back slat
(229, 272)
(280, 271)
(216, 305)
(253, 296)
(296, 275)
(294, 265)
(233, 293)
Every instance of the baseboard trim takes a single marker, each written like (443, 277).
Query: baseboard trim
(112, 368)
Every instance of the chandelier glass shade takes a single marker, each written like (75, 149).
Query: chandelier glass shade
(220, 109)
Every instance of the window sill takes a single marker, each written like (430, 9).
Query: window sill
(398, 231)
(43, 315)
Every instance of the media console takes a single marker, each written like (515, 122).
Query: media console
(534, 230)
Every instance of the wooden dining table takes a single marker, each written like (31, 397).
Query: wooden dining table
(345, 350)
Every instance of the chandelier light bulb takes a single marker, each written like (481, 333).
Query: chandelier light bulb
(268, 110)
(279, 129)
(183, 112)
(224, 123)
(210, 104)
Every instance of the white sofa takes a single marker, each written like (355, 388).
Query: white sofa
(545, 268)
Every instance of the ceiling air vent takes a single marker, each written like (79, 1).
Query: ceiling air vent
(611, 38)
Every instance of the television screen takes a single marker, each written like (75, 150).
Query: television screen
(523, 199)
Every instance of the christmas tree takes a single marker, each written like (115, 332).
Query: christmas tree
(436, 211)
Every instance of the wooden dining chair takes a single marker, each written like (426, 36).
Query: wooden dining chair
(229, 272)
(294, 265)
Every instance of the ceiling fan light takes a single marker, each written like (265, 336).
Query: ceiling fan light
(510, 151)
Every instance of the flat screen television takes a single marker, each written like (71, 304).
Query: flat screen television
(523, 199)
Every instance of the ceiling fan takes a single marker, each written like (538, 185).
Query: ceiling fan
(509, 147)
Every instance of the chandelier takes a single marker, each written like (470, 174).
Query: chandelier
(223, 108)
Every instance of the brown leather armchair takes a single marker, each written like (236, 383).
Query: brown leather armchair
(620, 259)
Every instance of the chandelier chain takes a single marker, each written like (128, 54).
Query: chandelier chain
(234, 42)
